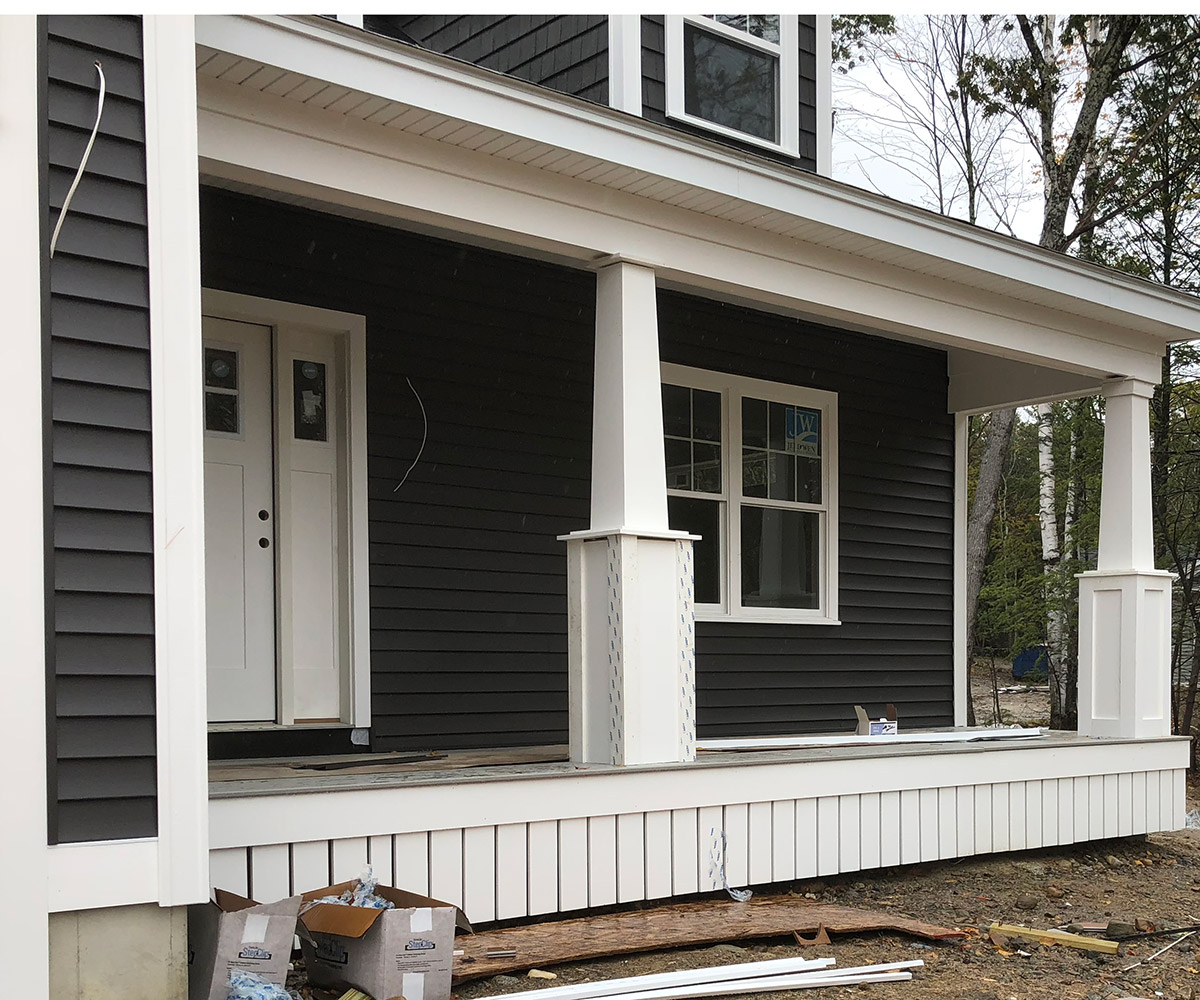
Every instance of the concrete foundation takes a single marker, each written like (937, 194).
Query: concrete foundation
(119, 953)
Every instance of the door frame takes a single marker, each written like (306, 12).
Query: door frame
(350, 330)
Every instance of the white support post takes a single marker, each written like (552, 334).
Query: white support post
(630, 610)
(1125, 604)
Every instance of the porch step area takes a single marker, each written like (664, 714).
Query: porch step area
(543, 836)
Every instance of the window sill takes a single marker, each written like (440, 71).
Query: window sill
(726, 132)
(746, 618)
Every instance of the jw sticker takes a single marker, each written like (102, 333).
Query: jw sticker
(803, 432)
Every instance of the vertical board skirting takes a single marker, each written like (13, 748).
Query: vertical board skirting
(526, 869)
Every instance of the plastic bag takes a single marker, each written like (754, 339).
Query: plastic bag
(245, 985)
(1192, 820)
(363, 894)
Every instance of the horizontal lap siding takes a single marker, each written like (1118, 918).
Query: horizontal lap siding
(468, 581)
(654, 90)
(102, 735)
(896, 519)
(565, 52)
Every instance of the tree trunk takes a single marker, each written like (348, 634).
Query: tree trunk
(979, 521)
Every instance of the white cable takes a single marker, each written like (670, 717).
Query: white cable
(62, 212)
(424, 434)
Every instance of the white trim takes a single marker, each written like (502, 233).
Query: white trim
(173, 234)
(824, 29)
(353, 328)
(22, 585)
(732, 388)
(786, 52)
(962, 655)
(110, 873)
(625, 63)
(352, 20)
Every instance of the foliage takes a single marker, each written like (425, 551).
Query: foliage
(851, 33)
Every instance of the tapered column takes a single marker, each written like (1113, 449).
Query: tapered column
(629, 577)
(1125, 603)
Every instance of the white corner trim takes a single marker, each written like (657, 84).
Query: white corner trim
(825, 95)
(625, 63)
(22, 585)
(107, 873)
(173, 232)
(962, 655)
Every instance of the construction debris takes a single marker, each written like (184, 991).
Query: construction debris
(820, 938)
(1049, 937)
(805, 742)
(704, 922)
(1151, 958)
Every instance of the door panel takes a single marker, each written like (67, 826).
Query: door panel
(239, 518)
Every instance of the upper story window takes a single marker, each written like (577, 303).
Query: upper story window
(736, 75)
(752, 469)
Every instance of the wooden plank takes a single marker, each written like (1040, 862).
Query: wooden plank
(1095, 807)
(910, 826)
(685, 863)
(1179, 798)
(983, 819)
(806, 838)
(1052, 937)
(1083, 807)
(761, 834)
(1050, 813)
(927, 804)
(783, 840)
(1110, 805)
(1033, 814)
(1153, 804)
(1066, 810)
(410, 861)
(1016, 815)
(889, 828)
(964, 819)
(479, 873)
(270, 872)
(229, 869)
(602, 860)
(380, 857)
(1138, 798)
(704, 922)
(658, 854)
(348, 856)
(572, 864)
(543, 867)
(1125, 804)
(948, 822)
(849, 825)
(828, 837)
(1000, 797)
(736, 822)
(310, 865)
(446, 866)
(710, 824)
(868, 830)
(631, 857)
(512, 894)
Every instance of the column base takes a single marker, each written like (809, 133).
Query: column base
(1125, 653)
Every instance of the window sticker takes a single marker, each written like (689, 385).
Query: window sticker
(308, 391)
(803, 433)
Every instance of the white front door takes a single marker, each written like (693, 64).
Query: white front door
(239, 521)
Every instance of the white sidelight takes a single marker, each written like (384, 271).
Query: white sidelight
(1125, 603)
(629, 577)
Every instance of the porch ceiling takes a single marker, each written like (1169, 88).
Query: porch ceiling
(1119, 324)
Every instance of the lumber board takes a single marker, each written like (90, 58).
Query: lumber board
(680, 925)
(1049, 937)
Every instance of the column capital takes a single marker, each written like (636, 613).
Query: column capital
(612, 259)
(1128, 387)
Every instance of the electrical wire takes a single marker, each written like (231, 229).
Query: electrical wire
(424, 435)
(87, 152)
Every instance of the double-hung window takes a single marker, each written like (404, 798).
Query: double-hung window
(752, 468)
(736, 75)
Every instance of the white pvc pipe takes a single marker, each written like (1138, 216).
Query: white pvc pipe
(768, 984)
(681, 977)
(802, 742)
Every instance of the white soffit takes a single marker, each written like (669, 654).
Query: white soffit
(363, 77)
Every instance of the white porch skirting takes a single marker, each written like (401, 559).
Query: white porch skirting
(534, 839)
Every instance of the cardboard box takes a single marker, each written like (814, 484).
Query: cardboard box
(232, 932)
(406, 952)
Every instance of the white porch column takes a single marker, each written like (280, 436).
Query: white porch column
(1125, 603)
(629, 577)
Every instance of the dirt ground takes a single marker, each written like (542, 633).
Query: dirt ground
(1027, 707)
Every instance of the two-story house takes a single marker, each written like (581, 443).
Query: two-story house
(440, 426)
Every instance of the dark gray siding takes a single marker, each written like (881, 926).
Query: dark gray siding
(100, 602)
(565, 52)
(468, 592)
(896, 465)
(654, 91)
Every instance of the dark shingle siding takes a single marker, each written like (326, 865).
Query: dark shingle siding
(102, 736)
(565, 52)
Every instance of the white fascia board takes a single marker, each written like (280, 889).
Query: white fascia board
(105, 873)
(326, 51)
(287, 147)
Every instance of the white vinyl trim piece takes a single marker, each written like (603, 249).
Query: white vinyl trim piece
(962, 655)
(801, 742)
(824, 28)
(108, 873)
(22, 586)
(177, 422)
(625, 63)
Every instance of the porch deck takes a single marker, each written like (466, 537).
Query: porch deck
(516, 833)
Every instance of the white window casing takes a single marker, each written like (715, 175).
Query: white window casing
(786, 51)
(731, 500)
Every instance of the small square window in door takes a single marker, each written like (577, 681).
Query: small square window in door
(309, 403)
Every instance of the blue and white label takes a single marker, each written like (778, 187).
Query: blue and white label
(803, 432)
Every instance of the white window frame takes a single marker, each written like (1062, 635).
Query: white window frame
(731, 499)
(787, 51)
